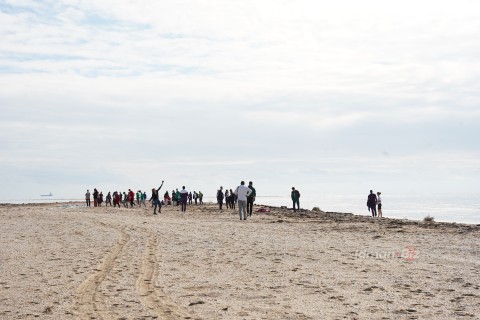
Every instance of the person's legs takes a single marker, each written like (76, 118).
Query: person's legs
(379, 210)
(249, 206)
(242, 206)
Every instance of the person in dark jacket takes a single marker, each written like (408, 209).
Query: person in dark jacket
(295, 198)
(183, 199)
(372, 203)
(95, 197)
(220, 197)
(156, 201)
(251, 198)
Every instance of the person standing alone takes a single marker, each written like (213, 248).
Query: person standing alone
(87, 198)
(242, 193)
(220, 197)
(295, 198)
(251, 198)
(183, 199)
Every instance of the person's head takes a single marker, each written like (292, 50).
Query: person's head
(371, 191)
(379, 193)
(242, 183)
(293, 188)
(183, 187)
(88, 190)
(221, 188)
(250, 183)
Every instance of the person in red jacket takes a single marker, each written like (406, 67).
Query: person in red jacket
(131, 198)
(116, 199)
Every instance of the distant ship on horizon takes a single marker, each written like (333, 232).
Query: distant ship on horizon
(46, 195)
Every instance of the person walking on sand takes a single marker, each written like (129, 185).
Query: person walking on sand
(166, 198)
(131, 198)
(379, 204)
(87, 198)
(227, 198)
(156, 201)
(295, 198)
(183, 199)
(195, 196)
(220, 197)
(100, 199)
(139, 197)
(372, 203)
(233, 199)
(143, 198)
(177, 195)
(242, 193)
(251, 198)
(108, 199)
(200, 197)
(95, 197)
(116, 199)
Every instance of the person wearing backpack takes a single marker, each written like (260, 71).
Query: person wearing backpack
(295, 198)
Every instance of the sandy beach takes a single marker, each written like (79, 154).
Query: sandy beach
(67, 261)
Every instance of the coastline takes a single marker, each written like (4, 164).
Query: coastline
(302, 213)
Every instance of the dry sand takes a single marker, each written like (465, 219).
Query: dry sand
(66, 261)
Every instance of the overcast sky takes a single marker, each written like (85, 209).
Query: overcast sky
(330, 97)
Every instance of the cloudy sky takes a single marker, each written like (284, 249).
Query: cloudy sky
(329, 97)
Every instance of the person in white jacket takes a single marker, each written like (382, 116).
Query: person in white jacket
(242, 193)
(379, 204)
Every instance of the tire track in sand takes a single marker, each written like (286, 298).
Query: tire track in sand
(152, 295)
(88, 304)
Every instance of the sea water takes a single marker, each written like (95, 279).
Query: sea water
(460, 208)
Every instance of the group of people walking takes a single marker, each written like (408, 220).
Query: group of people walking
(127, 199)
(243, 196)
(175, 199)
(374, 204)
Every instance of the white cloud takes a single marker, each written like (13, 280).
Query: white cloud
(138, 75)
